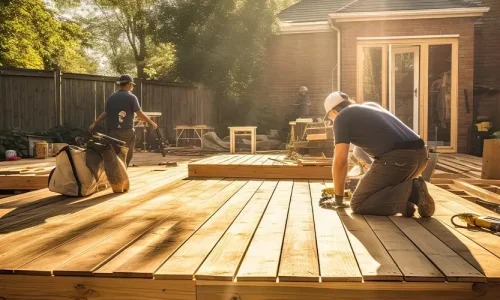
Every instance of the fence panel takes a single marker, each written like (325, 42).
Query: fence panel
(30, 99)
(27, 99)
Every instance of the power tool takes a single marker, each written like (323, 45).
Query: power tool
(472, 220)
(162, 145)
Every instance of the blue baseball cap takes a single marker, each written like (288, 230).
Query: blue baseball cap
(125, 78)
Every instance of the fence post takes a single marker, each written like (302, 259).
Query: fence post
(58, 95)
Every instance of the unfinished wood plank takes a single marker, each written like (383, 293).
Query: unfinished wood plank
(299, 257)
(161, 206)
(85, 263)
(184, 263)
(184, 222)
(26, 245)
(160, 232)
(252, 160)
(210, 290)
(454, 267)
(413, 264)
(477, 191)
(491, 160)
(374, 261)
(481, 259)
(241, 160)
(336, 258)
(51, 216)
(471, 166)
(262, 258)
(225, 258)
(262, 159)
(268, 171)
(24, 287)
(23, 182)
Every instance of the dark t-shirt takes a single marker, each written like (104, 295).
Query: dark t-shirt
(372, 128)
(303, 103)
(120, 109)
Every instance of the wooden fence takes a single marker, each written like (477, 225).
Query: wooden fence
(38, 100)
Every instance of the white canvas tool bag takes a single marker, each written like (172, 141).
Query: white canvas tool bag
(72, 177)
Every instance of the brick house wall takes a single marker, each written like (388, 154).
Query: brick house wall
(487, 61)
(295, 60)
(462, 26)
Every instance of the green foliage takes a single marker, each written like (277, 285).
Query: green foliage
(31, 37)
(221, 43)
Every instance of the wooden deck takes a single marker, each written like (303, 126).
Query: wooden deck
(256, 166)
(229, 238)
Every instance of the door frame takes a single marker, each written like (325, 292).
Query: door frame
(424, 42)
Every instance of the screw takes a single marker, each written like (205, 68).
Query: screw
(235, 297)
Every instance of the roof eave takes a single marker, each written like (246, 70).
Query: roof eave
(304, 27)
(410, 14)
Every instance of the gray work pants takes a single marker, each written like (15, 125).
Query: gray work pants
(127, 136)
(386, 187)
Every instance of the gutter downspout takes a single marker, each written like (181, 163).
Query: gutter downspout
(339, 57)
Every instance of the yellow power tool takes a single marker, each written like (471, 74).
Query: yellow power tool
(485, 222)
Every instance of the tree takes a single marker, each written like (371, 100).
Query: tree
(31, 37)
(123, 26)
(221, 43)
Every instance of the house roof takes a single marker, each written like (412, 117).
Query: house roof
(318, 10)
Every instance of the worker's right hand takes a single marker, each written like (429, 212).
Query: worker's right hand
(154, 125)
(91, 128)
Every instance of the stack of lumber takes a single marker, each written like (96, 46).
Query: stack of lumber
(25, 177)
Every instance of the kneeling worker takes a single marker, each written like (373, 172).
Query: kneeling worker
(119, 114)
(393, 183)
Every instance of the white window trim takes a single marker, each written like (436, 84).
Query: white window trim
(410, 14)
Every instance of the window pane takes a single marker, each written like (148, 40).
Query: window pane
(440, 57)
(372, 74)
(404, 88)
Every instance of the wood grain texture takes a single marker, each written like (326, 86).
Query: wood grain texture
(82, 288)
(480, 258)
(76, 252)
(265, 171)
(263, 255)
(454, 267)
(225, 258)
(413, 264)
(373, 259)
(299, 258)
(341, 290)
(38, 240)
(184, 263)
(144, 255)
(336, 258)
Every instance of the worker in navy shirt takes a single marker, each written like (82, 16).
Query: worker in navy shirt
(393, 183)
(119, 114)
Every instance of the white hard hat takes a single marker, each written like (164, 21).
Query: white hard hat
(334, 99)
(303, 89)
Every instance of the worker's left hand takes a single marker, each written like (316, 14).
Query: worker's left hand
(154, 125)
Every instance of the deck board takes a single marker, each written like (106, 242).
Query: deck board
(454, 267)
(225, 258)
(336, 258)
(373, 259)
(184, 263)
(299, 258)
(414, 265)
(262, 258)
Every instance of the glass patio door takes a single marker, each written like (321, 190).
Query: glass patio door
(404, 84)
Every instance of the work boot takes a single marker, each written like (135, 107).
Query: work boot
(420, 196)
